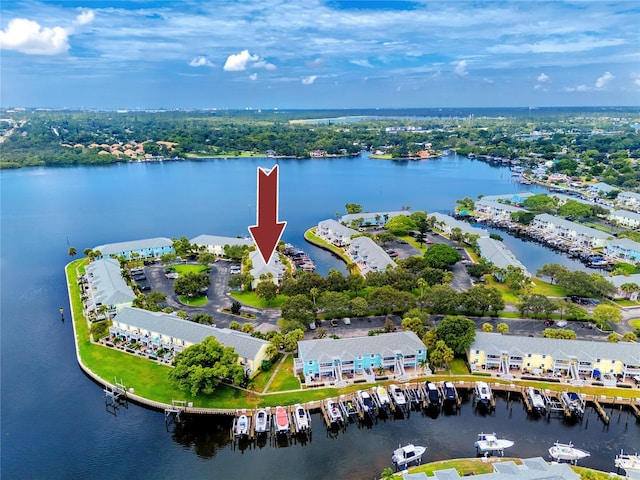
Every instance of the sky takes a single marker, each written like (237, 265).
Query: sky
(287, 54)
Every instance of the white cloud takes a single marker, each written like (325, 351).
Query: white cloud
(315, 63)
(253, 76)
(636, 82)
(488, 81)
(243, 60)
(200, 61)
(309, 80)
(362, 63)
(602, 81)
(461, 68)
(543, 78)
(28, 36)
(264, 64)
(239, 62)
(85, 17)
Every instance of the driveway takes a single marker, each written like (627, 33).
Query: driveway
(217, 296)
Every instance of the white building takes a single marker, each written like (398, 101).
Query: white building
(625, 218)
(275, 268)
(628, 199)
(105, 286)
(619, 280)
(579, 235)
(215, 244)
(335, 233)
(369, 256)
(497, 253)
(163, 330)
(447, 223)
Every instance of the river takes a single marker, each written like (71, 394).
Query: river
(54, 421)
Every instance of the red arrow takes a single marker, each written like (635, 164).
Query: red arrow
(266, 234)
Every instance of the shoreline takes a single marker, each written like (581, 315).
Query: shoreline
(626, 395)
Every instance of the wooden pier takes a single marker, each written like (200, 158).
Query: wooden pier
(599, 408)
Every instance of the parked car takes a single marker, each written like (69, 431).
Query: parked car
(562, 323)
(334, 323)
(346, 320)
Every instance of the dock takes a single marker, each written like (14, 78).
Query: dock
(600, 409)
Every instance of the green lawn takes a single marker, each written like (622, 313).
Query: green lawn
(623, 302)
(464, 466)
(635, 323)
(459, 367)
(547, 289)
(311, 237)
(193, 302)
(185, 268)
(251, 299)
(285, 379)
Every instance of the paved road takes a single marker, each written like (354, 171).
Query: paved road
(266, 319)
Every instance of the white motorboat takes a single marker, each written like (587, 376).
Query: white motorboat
(333, 411)
(282, 420)
(407, 454)
(300, 418)
(383, 396)
(567, 452)
(242, 425)
(629, 463)
(484, 396)
(398, 395)
(489, 443)
(536, 400)
(262, 424)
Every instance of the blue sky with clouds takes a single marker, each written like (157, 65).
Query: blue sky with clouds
(319, 53)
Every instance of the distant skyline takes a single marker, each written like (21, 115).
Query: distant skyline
(318, 54)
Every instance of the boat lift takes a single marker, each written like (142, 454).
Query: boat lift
(349, 406)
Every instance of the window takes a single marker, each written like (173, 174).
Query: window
(544, 356)
(373, 355)
(310, 362)
(529, 356)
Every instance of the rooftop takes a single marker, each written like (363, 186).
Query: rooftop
(567, 225)
(106, 279)
(133, 245)
(222, 241)
(245, 345)
(629, 353)
(497, 253)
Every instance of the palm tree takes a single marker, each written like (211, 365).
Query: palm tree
(423, 363)
(628, 288)
(271, 351)
(73, 252)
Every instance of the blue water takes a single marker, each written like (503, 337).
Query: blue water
(54, 423)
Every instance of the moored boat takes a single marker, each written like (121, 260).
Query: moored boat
(408, 454)
(282, 420)
(629, 463)
(483, 393)
(333, 411)
(574, 403)
(489, 443)
(398, 396)
(536, 400)
(567, 452)
(242, 426)
(300, 418)
(450, 393)
(383, 396)
(433, 394)
(261, 421)
(367, 403)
